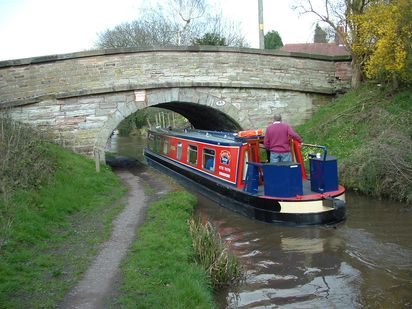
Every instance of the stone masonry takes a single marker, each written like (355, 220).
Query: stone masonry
(81, 98)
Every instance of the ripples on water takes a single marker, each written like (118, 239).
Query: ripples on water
(365, 262)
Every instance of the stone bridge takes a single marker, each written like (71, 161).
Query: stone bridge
(80, 98)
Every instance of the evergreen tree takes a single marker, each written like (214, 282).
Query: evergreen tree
(273, 40)
(320, 35)
(210, 39)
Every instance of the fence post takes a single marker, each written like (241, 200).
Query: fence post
(97, 160)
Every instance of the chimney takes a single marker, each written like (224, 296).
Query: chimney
(338, 38)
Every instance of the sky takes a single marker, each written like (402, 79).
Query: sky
(31, 28)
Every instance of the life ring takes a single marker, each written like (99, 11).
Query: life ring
(249, 133)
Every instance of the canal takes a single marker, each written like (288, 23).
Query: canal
(364, 262)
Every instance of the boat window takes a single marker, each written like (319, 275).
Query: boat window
(179, 151)
(209, 159)
(245, 165)
(192, 156)
(156, 147)
(165, 146)
(150, 141)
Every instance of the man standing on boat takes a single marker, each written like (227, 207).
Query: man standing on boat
(277, 140)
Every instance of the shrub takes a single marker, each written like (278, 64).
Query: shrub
(25, 163)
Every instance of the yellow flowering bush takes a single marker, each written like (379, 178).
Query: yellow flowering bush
(385, 40)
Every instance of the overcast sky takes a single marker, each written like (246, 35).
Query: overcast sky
(30, 28)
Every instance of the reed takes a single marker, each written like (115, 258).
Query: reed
(214, 255)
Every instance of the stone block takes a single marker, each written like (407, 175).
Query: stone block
(69, 121)
(126, 109)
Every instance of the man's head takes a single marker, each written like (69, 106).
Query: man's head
(277, 117)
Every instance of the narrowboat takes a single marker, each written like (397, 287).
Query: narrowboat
(231, 169)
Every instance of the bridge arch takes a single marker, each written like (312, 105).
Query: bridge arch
(204, 111)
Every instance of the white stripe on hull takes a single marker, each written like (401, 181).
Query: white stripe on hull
(301, 207)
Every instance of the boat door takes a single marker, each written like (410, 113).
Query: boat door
(250, 152)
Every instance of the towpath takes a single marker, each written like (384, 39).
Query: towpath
(101, 280)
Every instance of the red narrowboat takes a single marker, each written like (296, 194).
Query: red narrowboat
(231, 169)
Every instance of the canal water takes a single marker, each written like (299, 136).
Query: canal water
(364, 262)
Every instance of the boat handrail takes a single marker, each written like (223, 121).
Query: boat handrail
(324, 148)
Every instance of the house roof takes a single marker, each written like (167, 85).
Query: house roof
(328, 49)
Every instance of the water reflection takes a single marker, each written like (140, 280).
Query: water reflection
(365, 262)
(352, 265)
(128, 146)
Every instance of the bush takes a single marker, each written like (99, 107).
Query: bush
(25, 163)
(381, 167)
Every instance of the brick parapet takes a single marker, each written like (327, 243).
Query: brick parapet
(32, 80)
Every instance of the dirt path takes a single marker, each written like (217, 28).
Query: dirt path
(97, 285)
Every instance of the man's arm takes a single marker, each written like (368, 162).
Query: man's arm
(266, 140)
(293, 134)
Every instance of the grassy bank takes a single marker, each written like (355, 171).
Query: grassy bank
(370, 131)
(160, 271)
(57, 211)
(54, 228)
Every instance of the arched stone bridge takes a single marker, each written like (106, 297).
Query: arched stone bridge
(80, 98)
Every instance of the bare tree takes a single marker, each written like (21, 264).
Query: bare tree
(176, 22)
(229, 30)
(337, 14)
(187, 11)
(141, 33)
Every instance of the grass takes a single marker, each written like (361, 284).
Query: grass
(55, 230)
(370, 131)
(160, 271)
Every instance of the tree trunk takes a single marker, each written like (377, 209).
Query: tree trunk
(395, 81)
(356, 72)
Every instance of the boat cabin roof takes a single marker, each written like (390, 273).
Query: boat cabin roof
(214, 137)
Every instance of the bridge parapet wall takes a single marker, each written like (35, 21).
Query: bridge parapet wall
(33, 80)
(80, 98)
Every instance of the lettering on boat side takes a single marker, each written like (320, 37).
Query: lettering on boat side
(224, 175)
(226, 169)
(220, 103)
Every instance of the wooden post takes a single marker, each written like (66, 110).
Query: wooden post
(148, 122)
(158, 120)
(97, 160)
(261, 30)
